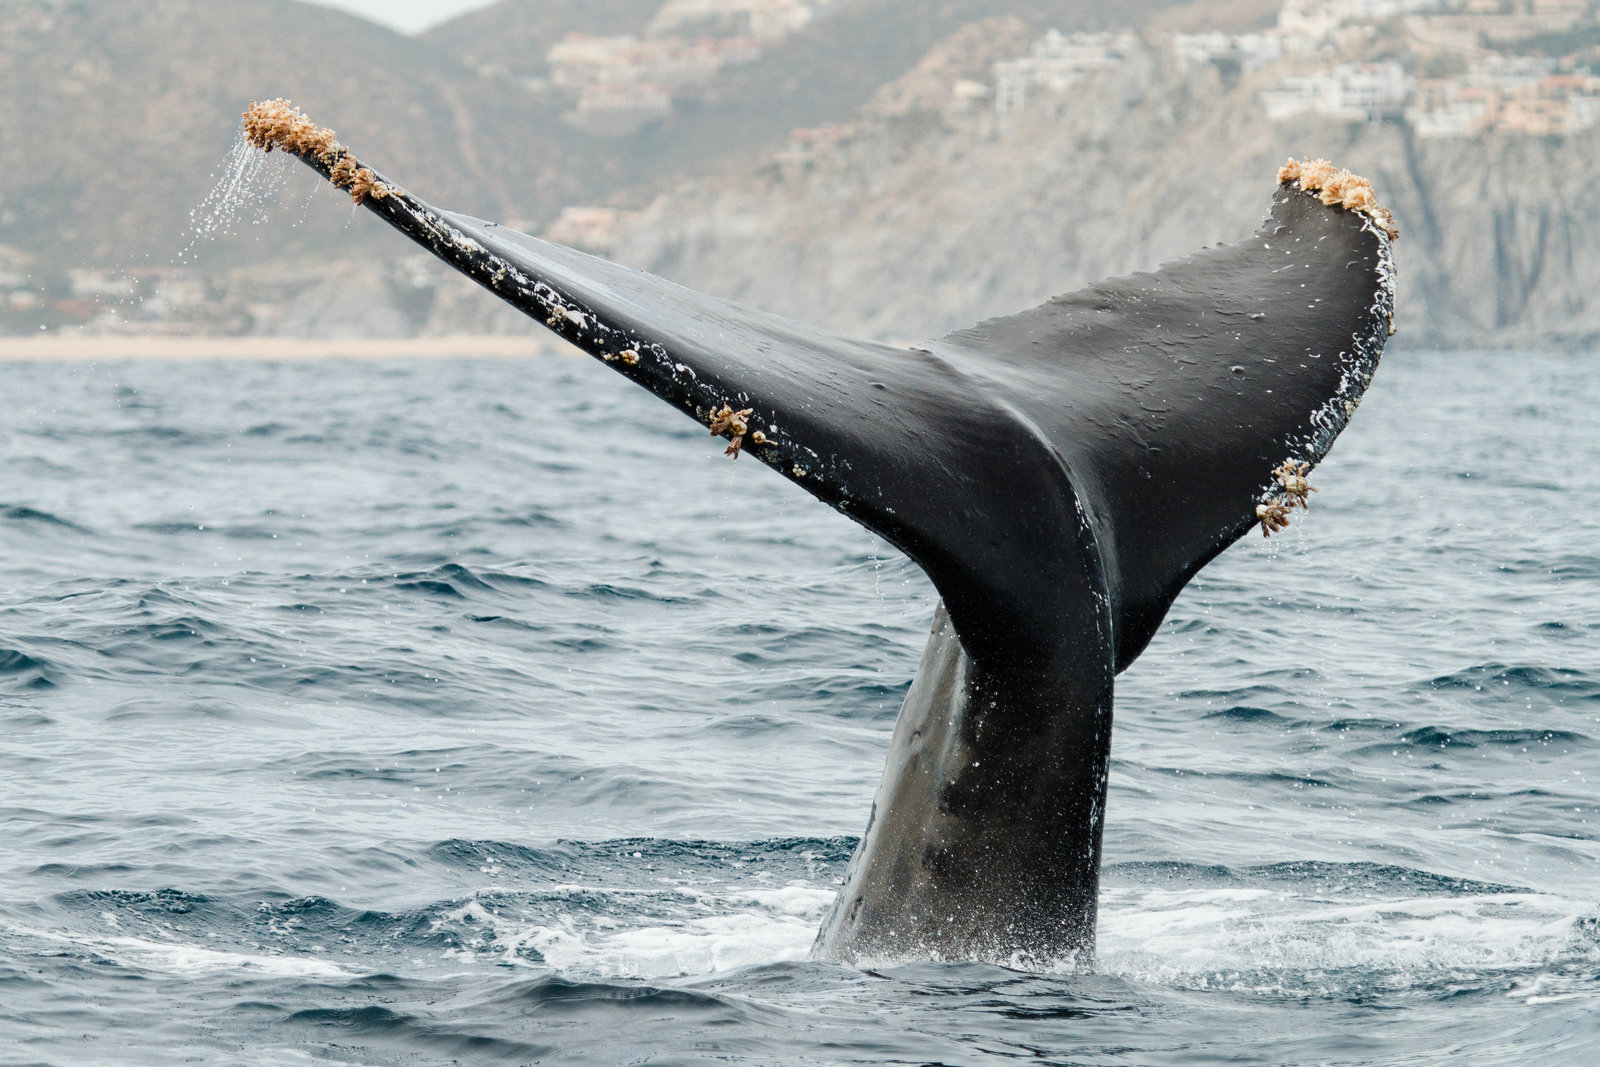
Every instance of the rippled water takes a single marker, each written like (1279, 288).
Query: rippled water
(481, 712)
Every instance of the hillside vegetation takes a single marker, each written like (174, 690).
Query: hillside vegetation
(855, 172)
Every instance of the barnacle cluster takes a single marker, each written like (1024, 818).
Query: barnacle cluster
(1293, 492)
(733, 424)
(279, 124)
(1338, 188)
(1273, 516)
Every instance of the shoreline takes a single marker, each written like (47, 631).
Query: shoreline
(54, 347)
(69, 347)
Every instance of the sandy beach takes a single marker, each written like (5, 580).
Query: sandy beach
(68, 345)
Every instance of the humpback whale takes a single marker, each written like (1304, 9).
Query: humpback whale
(1060, 474)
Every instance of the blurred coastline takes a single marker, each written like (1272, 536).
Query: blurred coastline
(73, 345)
(873, 166)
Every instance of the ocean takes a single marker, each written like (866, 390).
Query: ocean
(479, 711)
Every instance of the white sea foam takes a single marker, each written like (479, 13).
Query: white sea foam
(698, 946)
(1246, 940)
(682, 930)
(806, 902)
(1274, 942)
(180, 958)
(1256, 940)
(1249, 940)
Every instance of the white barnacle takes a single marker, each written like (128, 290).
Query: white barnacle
(1273, 516)
(1295, 490)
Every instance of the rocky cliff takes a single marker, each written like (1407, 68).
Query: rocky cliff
(912, 220)
(858, 173)
(118, 114)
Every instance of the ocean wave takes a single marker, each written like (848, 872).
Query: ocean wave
(149, 955)
(19, 513)
(363, 695)
(1438, 737)
(1561, 683)
(20, 671)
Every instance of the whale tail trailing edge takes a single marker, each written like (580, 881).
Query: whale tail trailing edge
(1104, 445)
(1189, 402)
(1059, 474)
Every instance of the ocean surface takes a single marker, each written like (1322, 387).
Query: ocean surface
(482, 712)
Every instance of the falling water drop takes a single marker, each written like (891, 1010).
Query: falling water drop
(246, 189)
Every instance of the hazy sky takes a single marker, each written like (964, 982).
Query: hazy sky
(406, 15)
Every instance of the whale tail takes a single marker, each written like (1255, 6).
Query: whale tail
(1060, 474)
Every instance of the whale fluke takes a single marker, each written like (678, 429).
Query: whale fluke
(1060, 474)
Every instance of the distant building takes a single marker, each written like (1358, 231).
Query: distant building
(1583, 113)
(1443, 107)
(1248, 50)
(761, 19)
(620, 82)
(1574, 10)
(580, 60)
(1533, 117)
(1355, 92)
(1511, 73)
(623, 82)
(1501, 95)
(1057, 61)
(100, 284)
(1305, 24)
(1479, 27)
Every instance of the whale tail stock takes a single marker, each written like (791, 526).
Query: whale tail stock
(1060, 474)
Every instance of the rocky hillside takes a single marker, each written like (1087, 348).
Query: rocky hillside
(927, 211)
(513, 36)
(120, 113)
(858, 171)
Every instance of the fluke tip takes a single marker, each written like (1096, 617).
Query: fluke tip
(1338, 188)
(279, 124)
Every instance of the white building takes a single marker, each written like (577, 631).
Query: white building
(1583, 113)
(1510, 73)
(1456, 115)
(1305, 24)
(1354, 92)
(1058, 60)
(1249, 50)
(762, 19)
(1196, 49)
(1321, 17)
(100, 284)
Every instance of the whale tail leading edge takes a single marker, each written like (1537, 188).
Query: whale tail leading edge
(1060, 474)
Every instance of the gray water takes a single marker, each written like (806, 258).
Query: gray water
(482, 712)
